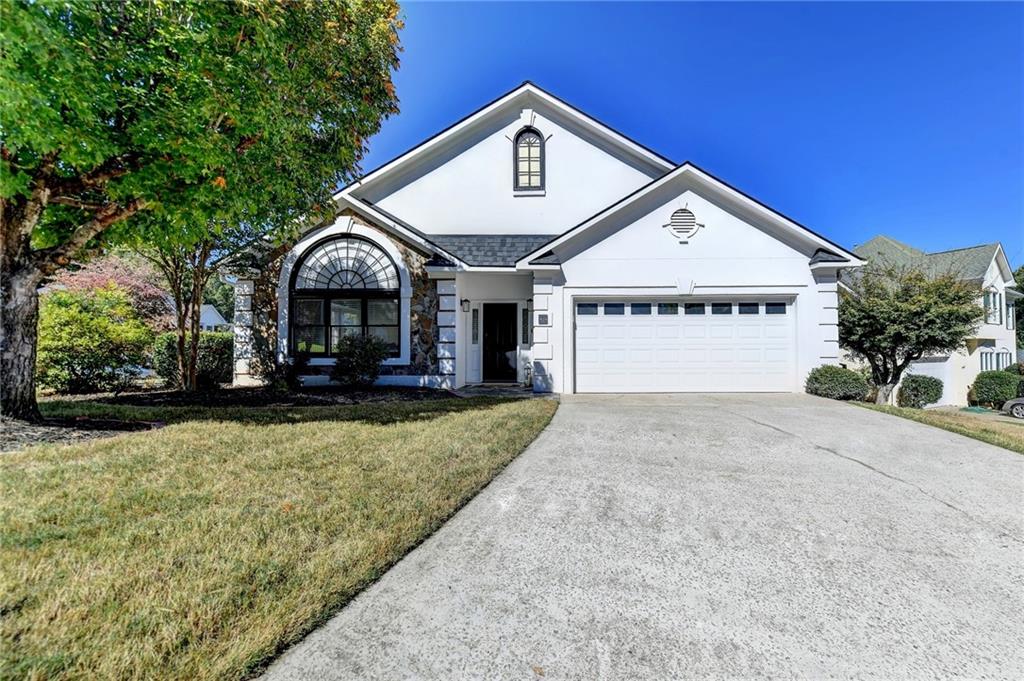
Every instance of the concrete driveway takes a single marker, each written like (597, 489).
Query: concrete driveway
(693, 536)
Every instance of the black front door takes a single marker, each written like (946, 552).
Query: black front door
(499, 342)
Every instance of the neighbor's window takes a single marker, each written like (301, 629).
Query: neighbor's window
(993, 307)
(1011, 316)
(988, 360)
(529, 160)
(344, 287)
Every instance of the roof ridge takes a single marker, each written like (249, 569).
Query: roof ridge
(963, 248)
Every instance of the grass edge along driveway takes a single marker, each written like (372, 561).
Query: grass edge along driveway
(996, 433)
(203, 549)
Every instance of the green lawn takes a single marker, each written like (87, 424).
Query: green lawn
(996, 432)
(201, 550)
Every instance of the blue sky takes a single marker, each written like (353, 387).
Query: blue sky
(854, 119)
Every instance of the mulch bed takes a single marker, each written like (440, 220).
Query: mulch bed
(15, 434)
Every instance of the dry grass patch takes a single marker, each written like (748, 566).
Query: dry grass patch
(994, 431)
(200, 550)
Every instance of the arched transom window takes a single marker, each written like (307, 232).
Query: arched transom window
(529, 160)
(344, 286)
(347, 263)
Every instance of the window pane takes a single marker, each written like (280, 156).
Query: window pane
(721, 308)
(615, 308)
(388, 334)
(476, 325)
(748, 308)
(346, 312)
(382, 312)
(309, 338)
(309, 312)
(586, 308)
(694, 308)
(640, 308)
(339, 332)
(526, 326)
(668, 308)
(775, 308)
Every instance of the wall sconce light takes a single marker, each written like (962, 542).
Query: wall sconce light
(465, 304)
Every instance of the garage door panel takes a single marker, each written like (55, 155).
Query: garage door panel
(679, 353)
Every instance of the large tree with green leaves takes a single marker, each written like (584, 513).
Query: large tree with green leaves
(891, 316)
(126, 118)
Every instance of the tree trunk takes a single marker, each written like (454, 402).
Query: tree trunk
(195, 319)
(884, 393)
(19, 283)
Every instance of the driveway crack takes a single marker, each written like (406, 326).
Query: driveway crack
(1000, 531)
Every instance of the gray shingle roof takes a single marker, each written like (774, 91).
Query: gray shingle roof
(490, 250)
(821, 255)
(970, 263)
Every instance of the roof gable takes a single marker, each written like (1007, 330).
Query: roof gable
(526, 95)
(689, 175)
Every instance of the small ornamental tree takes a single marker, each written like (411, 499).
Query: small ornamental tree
(150, 121)
(130, 273)
(892, 316)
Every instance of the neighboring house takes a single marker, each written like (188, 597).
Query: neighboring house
(531, 243)
(212, 320)
(994, 344)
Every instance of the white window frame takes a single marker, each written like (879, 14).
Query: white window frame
(993, 307)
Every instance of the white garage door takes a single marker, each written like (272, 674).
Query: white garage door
(714, 346)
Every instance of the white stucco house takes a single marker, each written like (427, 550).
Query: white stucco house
(994, 344)
(531, 243)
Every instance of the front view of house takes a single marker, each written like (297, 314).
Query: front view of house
(530, 243)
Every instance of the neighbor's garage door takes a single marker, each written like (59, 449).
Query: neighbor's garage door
(715, 346)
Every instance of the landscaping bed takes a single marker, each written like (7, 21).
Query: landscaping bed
(15, 434)
(203, 549)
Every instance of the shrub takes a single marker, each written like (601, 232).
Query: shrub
(214, 365)
(359, 360)
(995, 387)
(836, 383)
(1016, 368)
(917, 391)
(90, 340)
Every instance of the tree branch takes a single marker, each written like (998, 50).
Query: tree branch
(50, 259)
(77, 203)
(40, 196)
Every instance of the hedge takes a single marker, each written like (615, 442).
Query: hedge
(917, 391)
(215, 363)
(995, 387)
(836, 383)
(90, 340)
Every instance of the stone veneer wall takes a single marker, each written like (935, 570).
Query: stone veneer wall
(432, 324)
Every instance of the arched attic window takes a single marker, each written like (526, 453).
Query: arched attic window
(345, 286)
(528, 167)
